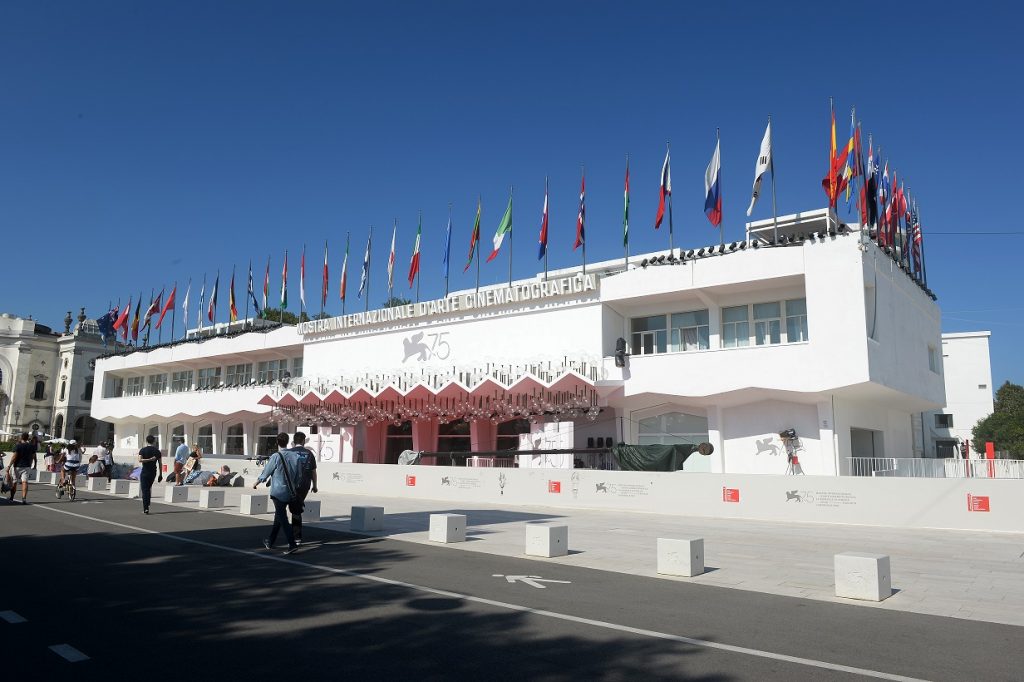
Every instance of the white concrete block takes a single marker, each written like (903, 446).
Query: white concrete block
(96, 484)
(863, 576)
(366, 519)
(176, 493)
(254, 504)
(447, 528)
(120, 486)
(134, 489)
(46, 477)
(311, 511)
(547, 540)
(681, 556)
(211, 498)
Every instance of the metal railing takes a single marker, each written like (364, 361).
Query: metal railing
(917, 467)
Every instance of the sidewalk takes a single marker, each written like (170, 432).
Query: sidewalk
(973, 575)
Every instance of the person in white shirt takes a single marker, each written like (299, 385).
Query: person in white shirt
(71, 457)
(105, 458)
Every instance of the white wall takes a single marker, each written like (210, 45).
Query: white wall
(967, 372)
(752, 443)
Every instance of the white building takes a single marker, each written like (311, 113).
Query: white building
(968, 379)
(825, 335)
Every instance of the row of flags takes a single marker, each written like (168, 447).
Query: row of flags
(885, 207)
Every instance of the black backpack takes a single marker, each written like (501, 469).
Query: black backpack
(307, 463)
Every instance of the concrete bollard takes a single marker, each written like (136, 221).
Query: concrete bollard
(681, 556)
(47, 477)
(311, 512)
(96, 484)
(254, 504)
(447, 528)
(863, 576)
(367, 519)
(120, 486)
(211, 498)
(546, 540)
(134, 489)
(176, 493)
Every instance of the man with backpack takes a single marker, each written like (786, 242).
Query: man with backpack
(307, 479)
(282, 469)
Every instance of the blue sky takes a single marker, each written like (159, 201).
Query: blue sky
(143, 143)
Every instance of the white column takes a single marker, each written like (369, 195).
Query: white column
(716, 438)
(826, 437)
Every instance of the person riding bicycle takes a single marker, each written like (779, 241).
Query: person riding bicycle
(71, 460)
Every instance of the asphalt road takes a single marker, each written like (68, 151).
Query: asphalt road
(184, 594)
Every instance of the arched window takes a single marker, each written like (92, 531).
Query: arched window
(63, 390)
(87, 395)
(234, 440)
(204, 438)
(58, 426)
(266, 444)
(38, 393)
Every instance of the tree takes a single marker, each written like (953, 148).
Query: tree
(1005, 426)
(395, 301)
(274, 315)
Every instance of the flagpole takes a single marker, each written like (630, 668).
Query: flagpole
(369, 242)
(671, 250)
(583, 215)
(391, 269)
(831, 177)
(249, 293)
(448, 255)
(718, 144)
(174, 310)
(160, 331)
(625, 219)
(348, 239)
(511, 191)
(419, 235)
(202, 304)
(149, 327)
(323, 294)
(775, 214)
(547, 210)
(924, 272)
(479, 200)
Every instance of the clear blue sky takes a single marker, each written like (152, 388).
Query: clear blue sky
(142, 143)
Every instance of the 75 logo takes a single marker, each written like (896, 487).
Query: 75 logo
(434, 347)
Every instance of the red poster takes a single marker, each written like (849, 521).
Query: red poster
(730, 494)
(554, 486)
(410, 480)
(977, 503)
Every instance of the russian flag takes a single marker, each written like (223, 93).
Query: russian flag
(713, 188)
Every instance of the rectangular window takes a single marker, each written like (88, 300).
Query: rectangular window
(943, 421)
(115, 387)
(133, 386)
(933, 359)
(649, 335)
(209, 377)
(181, 381)
(735, 327)
(204, 438)
(296, 367)
(157, 383)
(270, 370)
(796, 320)
(767, 323)
(690, 331)
(239, 375)
(234, 440)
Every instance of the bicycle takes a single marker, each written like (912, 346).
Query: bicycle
(67, 487)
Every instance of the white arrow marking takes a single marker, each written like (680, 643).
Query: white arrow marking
(531, 580)
(11, 617)
(68, 653)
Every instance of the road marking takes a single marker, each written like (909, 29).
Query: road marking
(531, 580)
(68, 653)
(12, 617)
(653, 634)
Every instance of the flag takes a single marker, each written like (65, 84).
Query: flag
(232, 307)
(544, 225)
(918, 238)
(323, 293)
(849, 162)
(364, 277)
(581, 216)
(834, 182)
(414, 264)
(106, 325)
(266, 287)
(153, 309)
(764, 163)
(883, 203)
(666, 188)
(447, 243)
(871, 186)
(202, 303)
(713, 187)
(252, 291)
(302, 280)
(344, 270)
(184, 305)
(474, 238)
(122, 319)
(167, 306)
(211, 311)
(391, 258)
(284, 282)
(135, 319)
(504, 228)
(625, 208)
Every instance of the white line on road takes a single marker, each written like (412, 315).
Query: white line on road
(798, 660)
(68, 653)
(11, 617)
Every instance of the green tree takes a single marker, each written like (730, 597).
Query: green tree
(395, 301)
(274, 315)
(1005, 426)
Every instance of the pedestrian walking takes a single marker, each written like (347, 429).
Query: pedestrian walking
(151, 459)
(307, 478)
(282, 470)
(106, 458)
(22, 464)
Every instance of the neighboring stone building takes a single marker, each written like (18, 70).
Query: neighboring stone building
(46, 379)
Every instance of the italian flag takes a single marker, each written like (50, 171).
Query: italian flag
(284, 282)
(504, 228)
(414, 264)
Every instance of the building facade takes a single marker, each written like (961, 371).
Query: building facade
(968, 379)
(816, 344)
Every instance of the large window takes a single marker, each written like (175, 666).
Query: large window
(796, 320)
(673, 428)
(133, 386)
(767, 323)
(943, 421)
(270, 370)
(209, 377)
(115, 387)
(157, 383)
(399, 438)
(239, 375)
(204, 438)
(508, 433)
(40, 391)
(649, 335)
(296, 367)
(689, 331)
(454, 437)
(266, 442)
(234, 440)
(181, 381)
(735, 327)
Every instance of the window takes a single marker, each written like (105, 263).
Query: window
(508, 433)
(266, 441)
(270, 370)
(38, 393)
(454, 437)
(133, 386)
(983, 386)
(115, 387)
(153, 431)
(399, 438)
(181, 382)
(943, 421)
(933, 359)
(204, 438)
(87, 393)
(157, 383)
(735, 327)
(209, 377)
(673, 428)
(234, 440)
(796, 320)
(63, 390)
(649, 335)
(296, 367)
(767, 323)
(690, 331)
(178, 432)
(239, 375)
